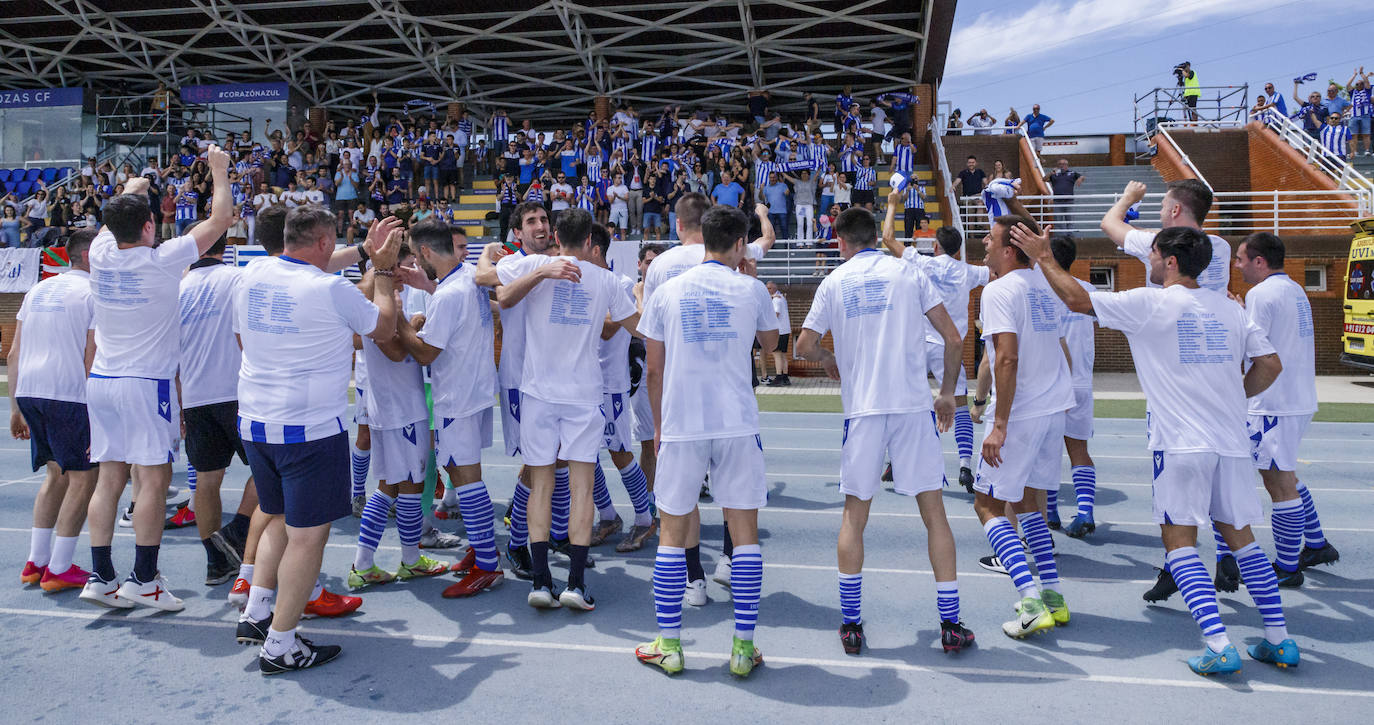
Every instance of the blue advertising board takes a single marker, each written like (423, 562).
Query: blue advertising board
(235, 93)
(40, 97)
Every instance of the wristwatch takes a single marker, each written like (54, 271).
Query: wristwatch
(982, 402)
(362, 252)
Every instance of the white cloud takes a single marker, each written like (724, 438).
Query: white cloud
(1035, 32)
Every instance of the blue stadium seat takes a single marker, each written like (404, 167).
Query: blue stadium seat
(23, 188)
(48, 175)
(4, 175)
(66, 172)
(9, 187)
(32, 174)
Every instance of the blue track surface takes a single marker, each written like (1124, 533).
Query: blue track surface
(408, 651)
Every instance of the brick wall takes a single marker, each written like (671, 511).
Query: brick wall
(987, 148)
(1222, 156)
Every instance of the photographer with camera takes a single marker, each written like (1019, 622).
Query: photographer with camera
(1187, 80)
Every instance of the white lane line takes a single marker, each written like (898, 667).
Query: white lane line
(30, 479)
(623, 650)
(813, 449)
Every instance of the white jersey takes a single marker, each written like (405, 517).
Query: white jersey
(1021, 302)
(458, 321)
(1080, 336)
(615, 352)
(57, 314)
(681, 258)
(953, 279)
(1279, 307)
(1217, 275)
(297, 325)
(512, 332)
(135, 290)
(563, 322)
(782, 313)
(707, 319)
(209, 351)
(876, 309)
(1188, 345)
(359, 370)
(396, 397)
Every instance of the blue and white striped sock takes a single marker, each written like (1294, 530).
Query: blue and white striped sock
(1007, 546)
(1198, 593)
(947, 600)
(191, 484)
(1052, 502)
(1041, 546)
(601, 496)
(561, 505)
(1223, 550)
(746, 587)
(670, 582)
(1259, 578)
(479, 519)
(371, 528)
(519, 523)
(1288, 522)
(963, 434)
(362, 459)
(851, 597)
(1312, 532)
(637, 485)
(1085, 488)
(410, 519)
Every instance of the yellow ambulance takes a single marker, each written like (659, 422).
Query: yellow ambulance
(1358, 349)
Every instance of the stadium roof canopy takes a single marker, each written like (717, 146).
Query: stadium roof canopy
(537, 59)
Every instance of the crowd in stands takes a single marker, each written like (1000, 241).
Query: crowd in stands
(628, 170)
(1340, 120)
(983, 123)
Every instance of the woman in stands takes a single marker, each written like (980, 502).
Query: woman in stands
(1013, 120)
(9, 225)
(36, 215)
(999, 171)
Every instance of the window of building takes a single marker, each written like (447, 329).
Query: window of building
(1103, 278)
(1314, 278)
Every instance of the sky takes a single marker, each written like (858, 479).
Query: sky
(1084, 61)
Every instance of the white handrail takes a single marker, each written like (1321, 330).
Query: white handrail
(807, 261)
(1035, 155)
(942, 166)
(1345, 175)
(1163, 129)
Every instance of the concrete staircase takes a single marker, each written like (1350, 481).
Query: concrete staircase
(1112, 179)
(1364, 165)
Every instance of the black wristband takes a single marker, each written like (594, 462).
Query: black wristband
(984, 401)
(362, 252)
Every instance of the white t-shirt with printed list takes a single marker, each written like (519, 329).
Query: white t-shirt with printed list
(512, 363)
(681, 258)
(1080, 335)
(458, 320)
(563, 322)
(953, 279)
(1279, 307)
(1216, 276)
(876, 308)
(209, 351)
(707, 319)
(615, 352)
(57, 314)
(135, 289)
(1188, 345)
(396, 396)
(1021, 302)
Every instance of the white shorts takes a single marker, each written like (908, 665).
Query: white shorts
(1078, 420)
(644, 414)
(133, 420)
(935, 363)
(360, 407)
(559, 431)
(460, 441)
(1275, 440)
(400, 454)
(735, 465)
(1195, 489)
(911, 439)
(510, 420)
(1031, 458)
(619, 217)
(615, 411)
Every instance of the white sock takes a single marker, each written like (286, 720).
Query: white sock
(40, 546)
(319, 587)
(246, 572)
(279, 643)
(1276, 635)
(1217, 642)
(451, 498)
(63, 549)
(259, 603)
(965, 462)
(363, 558)
(191, 504)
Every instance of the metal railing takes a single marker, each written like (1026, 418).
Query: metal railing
(1216, 106)
(1316, 154)
(1232, 213)
(807, 261)
(1035, 155)
(1163, 130)
(952, 217)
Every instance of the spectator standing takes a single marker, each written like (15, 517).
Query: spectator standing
(1361, 113)
(775, 194)
(1334, 101)
(972, 179)
(813, 113)
(727, 192)
(1312, 112)
(866, 184)
(1272, 99)
(843, 191)
(1063, 181)
(1191, 92)
(843, 100)
(982, 123)
(1036, 125)
(803, 203)
(1013, 120)
(955, 127)
(878, 130)
(1335, 137)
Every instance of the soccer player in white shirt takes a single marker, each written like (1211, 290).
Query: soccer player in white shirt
(130, 391)
(54, 341)
(1080, 337)
(954, 279)
(1023, 437)
(297, 323)
(1279, 416)
(534, 236)
(208, 384)
(567, 299)
(877, 311)
(1189, 344)
(457, 340)
(698, 327)
(784, 336)
(643, 412)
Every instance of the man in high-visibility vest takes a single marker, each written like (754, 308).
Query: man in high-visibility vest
(1191, 91)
